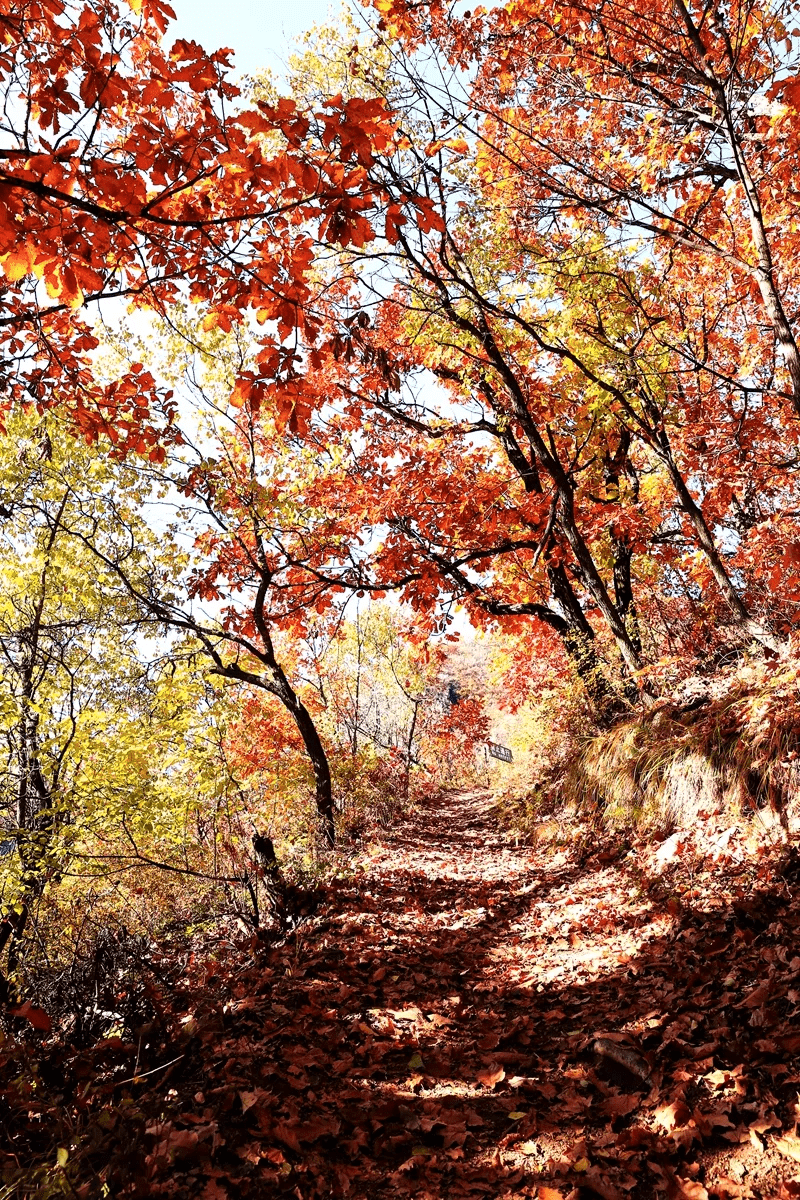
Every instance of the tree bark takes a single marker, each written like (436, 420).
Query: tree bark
(579, 641)
(548, 460)
(706, 541)
(621, 549)
(279, 686)
(622, 555)
(319, 763)
(410, 748)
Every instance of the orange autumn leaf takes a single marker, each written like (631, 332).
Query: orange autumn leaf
(491, 1076)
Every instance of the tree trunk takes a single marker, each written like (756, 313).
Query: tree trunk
(280, 687)
(548, 459)
(579, 642)
(622, 554)
(704, 537)
(34, 818)
(274, 883)
(410, 748)
(614, 465)
(320, 766)
(594, 581)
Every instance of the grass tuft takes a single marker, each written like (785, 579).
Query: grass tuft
(732, 746)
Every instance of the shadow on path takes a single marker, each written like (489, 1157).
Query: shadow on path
(472, 1018)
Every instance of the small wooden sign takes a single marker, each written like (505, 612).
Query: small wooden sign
(501, 752)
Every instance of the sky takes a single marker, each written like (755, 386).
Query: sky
(259, 31)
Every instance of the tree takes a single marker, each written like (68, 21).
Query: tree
(558, 338)
(70, 673)
(258, 511)
(129, 172)
(665, 136)
(372, 366)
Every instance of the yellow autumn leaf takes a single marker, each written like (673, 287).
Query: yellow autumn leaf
(62, 285)
(18, 262)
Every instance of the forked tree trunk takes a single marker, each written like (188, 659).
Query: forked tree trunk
(579, 642)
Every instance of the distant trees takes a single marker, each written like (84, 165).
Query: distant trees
(72, 684)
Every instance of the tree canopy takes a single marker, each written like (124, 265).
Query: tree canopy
(442, 392)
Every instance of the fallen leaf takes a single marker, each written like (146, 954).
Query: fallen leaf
(491, 1076)
(404, 1014)
(625, 1056)
(670, 1115)
(670, 849)
(692, 1190)
(214, 1191)
(620, 1106)
(757, 997)
(789, 1145)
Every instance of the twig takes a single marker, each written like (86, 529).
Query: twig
(136, 1078)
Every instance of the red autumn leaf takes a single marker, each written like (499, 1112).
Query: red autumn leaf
(37, 1017)
(621, 1105)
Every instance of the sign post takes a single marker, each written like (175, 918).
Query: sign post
(501, 752)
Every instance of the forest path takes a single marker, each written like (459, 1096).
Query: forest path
(471, 1018)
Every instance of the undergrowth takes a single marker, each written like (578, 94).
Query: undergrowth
(728, 745)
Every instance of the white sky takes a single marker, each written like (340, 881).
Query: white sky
(259, 31)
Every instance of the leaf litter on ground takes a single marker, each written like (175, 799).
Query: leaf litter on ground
(464, 1018)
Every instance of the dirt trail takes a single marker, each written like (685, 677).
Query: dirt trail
(471, 1018)
(440, 1031)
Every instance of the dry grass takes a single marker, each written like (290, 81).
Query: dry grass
(731, 744)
